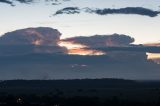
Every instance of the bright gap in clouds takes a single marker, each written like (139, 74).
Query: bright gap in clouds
(79, 49)
(154, 57)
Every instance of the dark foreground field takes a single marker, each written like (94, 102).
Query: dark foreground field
(88, 92)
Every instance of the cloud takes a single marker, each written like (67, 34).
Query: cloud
(36, 66)
(68, 10)
(154, 56)
(117, 47)
(35, 36)
(47, 40)
(56, 2)
(18, 50)
(34, 53)
(34, 40)
(153, 44)
(128, 10)
(6, 1)
(134, 48)
(12, 2)
(102, 40)
(25, 1)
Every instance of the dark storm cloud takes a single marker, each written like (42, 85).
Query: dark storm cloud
(31, 40)
(115, 42)
(28, 36)
(68, 10)
(106, 11)
(134, 48)
(18, 50)
(102, 40)
(27, 60)
(37, 66)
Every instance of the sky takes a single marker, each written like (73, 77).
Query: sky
(93, 39)
(143, 28)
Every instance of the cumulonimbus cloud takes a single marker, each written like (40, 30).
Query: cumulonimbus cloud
(46, 40)
(32, 40)
(122, 57)
(114, 42)
(35, 36)
(128, 10)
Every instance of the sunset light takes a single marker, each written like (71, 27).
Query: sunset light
(37, 42)
(79, 49)
(70, 45)
(80, 53)
(153, 55)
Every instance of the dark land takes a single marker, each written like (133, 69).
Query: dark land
(84, 92)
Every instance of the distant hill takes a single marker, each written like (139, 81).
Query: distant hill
(74, 83)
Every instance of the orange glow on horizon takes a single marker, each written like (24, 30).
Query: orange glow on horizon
(153, 55)
(71, 45)
(79, 49)
(152, 44)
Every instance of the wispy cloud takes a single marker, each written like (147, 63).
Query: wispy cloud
(68, 10)
(128, 10)
(12, 2)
